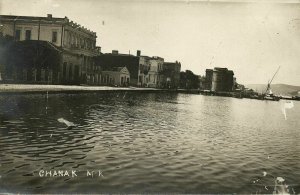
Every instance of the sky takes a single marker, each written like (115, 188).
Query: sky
(252, 38)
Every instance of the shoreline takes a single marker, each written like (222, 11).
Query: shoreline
(15, 89)
(32, 88)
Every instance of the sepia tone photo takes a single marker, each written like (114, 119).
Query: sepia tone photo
(149, 96)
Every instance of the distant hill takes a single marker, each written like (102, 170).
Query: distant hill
(278, 89)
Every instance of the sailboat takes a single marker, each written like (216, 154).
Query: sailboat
(268, 95)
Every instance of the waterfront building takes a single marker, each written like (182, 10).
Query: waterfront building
(201, 82)
(208, 79)
(154, 77)
(116, 76)
(76, 44)
(171, 74)
(144, 67)
(115, 59)
(219, 79)
(144, 70)
(21, 64)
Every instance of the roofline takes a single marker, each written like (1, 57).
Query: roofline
(172, 63)
(120, 54)
(59, 49)
(29, 17)
(64, 21)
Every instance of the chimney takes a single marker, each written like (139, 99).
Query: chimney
(98, 49)
(49, 16)
(66, 19)
(116, 52)
(138, 53)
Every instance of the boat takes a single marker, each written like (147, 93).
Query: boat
(296, 97)
(268, 95)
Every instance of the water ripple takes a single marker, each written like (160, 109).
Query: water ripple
(145, 143)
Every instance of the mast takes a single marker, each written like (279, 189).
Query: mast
(269, 83)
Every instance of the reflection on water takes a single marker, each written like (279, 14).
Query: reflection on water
(147, 142)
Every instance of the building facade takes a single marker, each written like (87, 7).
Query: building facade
(59, 51)
(29, 61)
(144, 67)
(144, 70)
(219, 79)
(109, 61)
(118, 76)
(77, 44)
(154, 77)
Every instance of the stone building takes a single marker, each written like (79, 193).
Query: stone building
(77, 44)
(219, 79)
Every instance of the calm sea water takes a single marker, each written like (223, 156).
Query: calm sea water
(147, 143)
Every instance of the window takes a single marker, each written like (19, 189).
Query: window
(27, 34)
(81, 43)
(65, 70)
(18, 35)
(71, 72)
(54, 37)
(69, 39)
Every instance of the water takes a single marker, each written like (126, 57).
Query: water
(147, 143)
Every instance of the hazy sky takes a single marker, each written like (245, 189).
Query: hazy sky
(252, 39)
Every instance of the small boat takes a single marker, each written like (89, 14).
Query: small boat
(268, 95)
(254, 96)
(296, 97)
(271, 96)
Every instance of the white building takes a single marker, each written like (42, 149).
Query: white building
(118, 76)
(156, 66)
(77, 42)
(144, 67)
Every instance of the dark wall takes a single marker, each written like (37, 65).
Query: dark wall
(31, 56)
(171, 70)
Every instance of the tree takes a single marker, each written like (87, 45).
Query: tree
(188, 80)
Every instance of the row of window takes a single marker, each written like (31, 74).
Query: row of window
(30, 75)
(83, 43)
(18, 35)
(75, 40)
(106, 79)
(28, 35)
